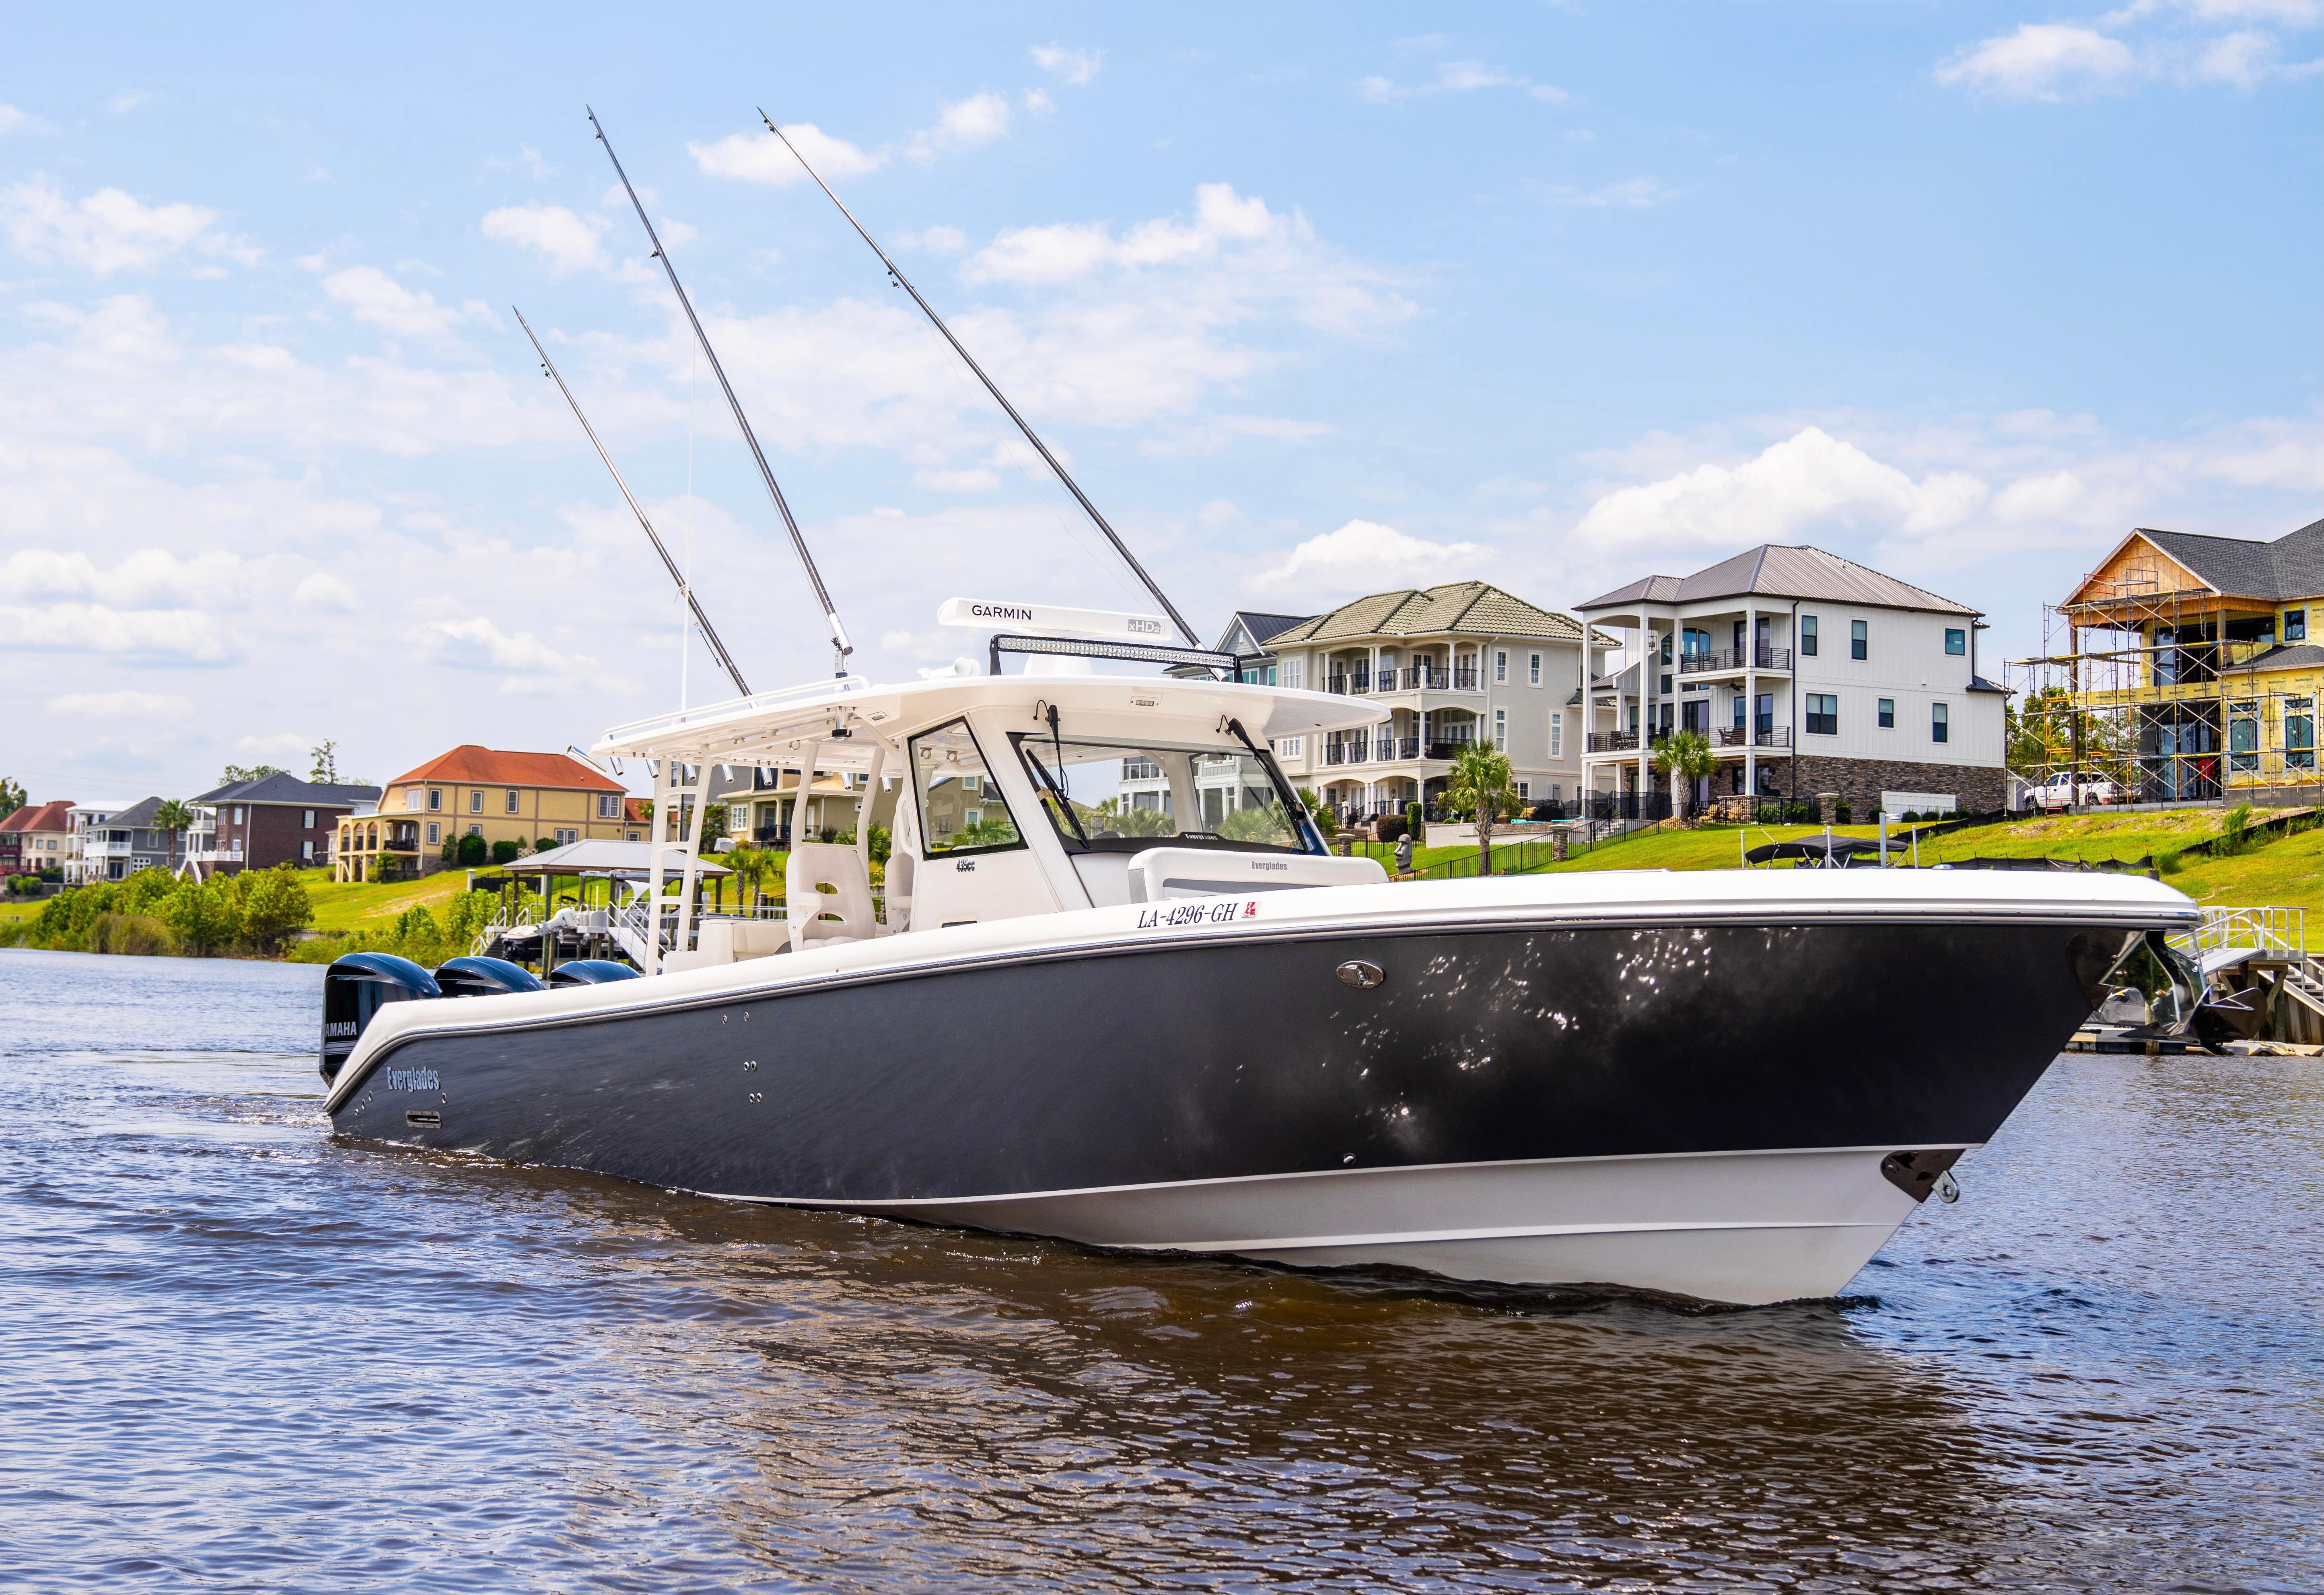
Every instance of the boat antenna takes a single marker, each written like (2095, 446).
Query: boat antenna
(685, 588)
(839, 643)
(1023, 426)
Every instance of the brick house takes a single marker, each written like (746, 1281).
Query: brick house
(488, 792)
(276, 819)
(36, 837)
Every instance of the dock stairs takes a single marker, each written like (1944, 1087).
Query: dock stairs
(2256, 961)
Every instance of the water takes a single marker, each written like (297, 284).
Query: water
(240, 1356)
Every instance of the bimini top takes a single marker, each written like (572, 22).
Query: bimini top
(840, 718)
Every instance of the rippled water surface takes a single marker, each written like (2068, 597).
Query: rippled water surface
(234, 1354)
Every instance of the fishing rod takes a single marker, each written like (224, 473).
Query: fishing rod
(685, 587)
(839, 641)
(1023, 426)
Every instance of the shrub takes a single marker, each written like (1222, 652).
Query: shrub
(543, 843)
(1415, 817)
(276, 907)
(2236, 836)
(145, 891)
(204, 916)
(1842, 814)
(1389, 826)
(2170, 862)
(134, 935)
(505, 850)
(451, 853)
(1800, 814)
(474, 852)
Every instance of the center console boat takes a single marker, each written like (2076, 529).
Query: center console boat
(1121, 992)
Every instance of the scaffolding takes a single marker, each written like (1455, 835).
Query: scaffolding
(2146, 685)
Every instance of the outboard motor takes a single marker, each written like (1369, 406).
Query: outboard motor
(485, 977)
(590, 971)
(353, 989)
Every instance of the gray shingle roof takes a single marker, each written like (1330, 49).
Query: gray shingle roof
(280, 787)
(1261, 627)
(1463, 608)
(2295, 656)
(1779, 570)
(2292, 567)
(137, 816)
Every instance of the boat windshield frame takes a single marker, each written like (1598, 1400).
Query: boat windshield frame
(1068, 830)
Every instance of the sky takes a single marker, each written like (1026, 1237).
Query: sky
(1556, 297)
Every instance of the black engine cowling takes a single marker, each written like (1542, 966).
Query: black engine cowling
(355, 988)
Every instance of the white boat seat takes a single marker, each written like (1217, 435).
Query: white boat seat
(1160, 874)
(842, 914)
(901, 866)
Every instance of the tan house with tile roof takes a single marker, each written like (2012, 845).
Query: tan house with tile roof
(1452, 664)
(488, 792)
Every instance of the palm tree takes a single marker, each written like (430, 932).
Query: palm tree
(175, 819)
(1685, 757)
(1480, 783)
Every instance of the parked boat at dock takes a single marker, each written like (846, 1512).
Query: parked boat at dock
(1193, 1028)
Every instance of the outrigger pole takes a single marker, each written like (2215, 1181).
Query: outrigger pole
(839, 641)
(1023, 426)
(685, 588)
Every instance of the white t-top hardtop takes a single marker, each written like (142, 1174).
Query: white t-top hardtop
(774, 727)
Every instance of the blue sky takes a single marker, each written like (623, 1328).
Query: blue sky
(1555, 296)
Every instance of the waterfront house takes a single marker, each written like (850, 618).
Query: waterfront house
(488, 792)
(276, 819)
(112, 841)
(1807, 673)
(43, 833)
(1455, 664)
(2190, 660)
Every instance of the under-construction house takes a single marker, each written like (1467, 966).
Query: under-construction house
(2187, 663)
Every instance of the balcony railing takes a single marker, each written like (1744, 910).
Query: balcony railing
(1613, 742)
(1736, 736)
(1764, 656)
(1430, 677)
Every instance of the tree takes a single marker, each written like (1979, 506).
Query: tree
(12, 797)
(277, 905)
(325, 770)
(236, 774)
(1479, 785)
(474, 851)
(202, 915)
(176, 819)
(1326, 818)
(751, 865)
(1686, 758)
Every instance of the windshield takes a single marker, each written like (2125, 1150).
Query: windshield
(1126, 797)
(961, 810)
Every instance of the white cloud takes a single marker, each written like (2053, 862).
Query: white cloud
(182, 636)
(760, 158)
(2243, 59)
(150, 578)
(1070, 66)
(1366, 557)
(936, 240)
(570, 241)
(125, 705)
(291, 746)
(477, 644)
(128, 100)
(1038, 102)
(10, 118)
(1637, 193)
(2044, 61)
(322, 591)
(373, 297)
(105, 232)
(1451, 78)
(963, 124)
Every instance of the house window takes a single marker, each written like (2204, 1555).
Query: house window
(475, 805)
(609, 806)
(1888, 715)
(435, 801)
(1500, 665)
(476, 830)
(1524, 791)
(1557, 734)
(1289, 747)
(237, 814)
(1501, 728)
(1808, 635)
(1859, 644)
(1533, 669)
(566, 837)
(435, 832)
(1824, 714)
(2243, 736)
(309, 822)
(1740, 711)
(2295, 625)
(307, 851)
(633, 836)
(411, 798)
(2300, 733)
(1939, 724)
(1956, 641)
(1666, 649)
(512, 801)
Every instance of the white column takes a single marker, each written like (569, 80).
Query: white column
(1750, 706)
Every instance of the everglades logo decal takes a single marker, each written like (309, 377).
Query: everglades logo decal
(410, 1080)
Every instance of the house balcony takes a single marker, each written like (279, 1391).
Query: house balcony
(1736, 739)
(108, 850)
(214, 855)
(1764, 656)
(1613, 742)
(1427, 677)
(1352, 682)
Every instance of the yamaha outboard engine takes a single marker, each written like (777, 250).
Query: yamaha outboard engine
(485, 977)
(353, 989)
(590, 971)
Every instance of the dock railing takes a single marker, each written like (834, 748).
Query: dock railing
(2270, 929)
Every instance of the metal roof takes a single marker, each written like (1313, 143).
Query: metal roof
(1260, 627)
(1786, 571)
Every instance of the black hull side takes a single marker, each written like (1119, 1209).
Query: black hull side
(1167, 1064)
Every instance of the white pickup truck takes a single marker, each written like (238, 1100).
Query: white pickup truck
(2066, 788)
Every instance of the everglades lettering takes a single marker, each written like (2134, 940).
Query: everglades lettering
(410, 1080)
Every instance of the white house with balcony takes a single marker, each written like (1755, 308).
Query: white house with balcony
(114, 841)
(1452, 664)
(1807, 673)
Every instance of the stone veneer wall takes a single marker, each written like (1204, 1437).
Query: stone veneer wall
(1977, 788)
